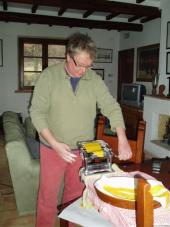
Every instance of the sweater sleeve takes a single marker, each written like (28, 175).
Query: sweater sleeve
(41, 101)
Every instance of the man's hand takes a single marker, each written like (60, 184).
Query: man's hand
(61, 149)
(124, 148)
(64, 152)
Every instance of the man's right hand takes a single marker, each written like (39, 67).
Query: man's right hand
(61, 149)
(64, 152)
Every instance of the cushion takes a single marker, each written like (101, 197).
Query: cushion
(29, 128)
(34, 147)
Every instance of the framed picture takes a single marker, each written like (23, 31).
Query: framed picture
(168, 36)
(100, 72)
(168, 63)
(1, 52)
(104, 55)
(147, 62)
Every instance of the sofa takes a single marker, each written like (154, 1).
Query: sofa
(23, 163)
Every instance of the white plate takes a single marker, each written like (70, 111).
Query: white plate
(120, 182)
(116, 182)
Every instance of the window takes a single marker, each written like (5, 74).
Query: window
(34, 56)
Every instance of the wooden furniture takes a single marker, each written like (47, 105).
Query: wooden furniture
(132, 115)
(144, 207)
(137, 144)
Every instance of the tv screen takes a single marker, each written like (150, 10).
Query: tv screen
(133, 94)
(130, 93)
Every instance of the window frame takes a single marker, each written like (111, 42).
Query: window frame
(45, 42)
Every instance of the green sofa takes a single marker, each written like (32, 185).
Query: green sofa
(24, 168)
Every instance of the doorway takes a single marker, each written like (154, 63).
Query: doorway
(125, 69)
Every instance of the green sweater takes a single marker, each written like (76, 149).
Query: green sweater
(70, 115)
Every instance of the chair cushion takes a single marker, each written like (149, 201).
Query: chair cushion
(34, 147)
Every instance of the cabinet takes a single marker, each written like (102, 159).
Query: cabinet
(132, 115)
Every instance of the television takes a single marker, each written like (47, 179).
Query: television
(133, 94)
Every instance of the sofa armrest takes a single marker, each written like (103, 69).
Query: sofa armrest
(25, 176)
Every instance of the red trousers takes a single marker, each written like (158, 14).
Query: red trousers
(53, 170)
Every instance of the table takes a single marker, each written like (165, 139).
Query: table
(145, 167)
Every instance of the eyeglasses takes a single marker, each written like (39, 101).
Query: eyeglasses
(81, 66)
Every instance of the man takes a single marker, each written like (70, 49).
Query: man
(63, 111)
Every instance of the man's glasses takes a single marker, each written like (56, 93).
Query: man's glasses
(81, 66)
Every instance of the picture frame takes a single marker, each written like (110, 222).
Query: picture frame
(168, 63)
(1, 52)
(100, 72)
(147, 62)
(168, 36)
(104, 55)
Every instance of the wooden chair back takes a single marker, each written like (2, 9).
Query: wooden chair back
(137, 145)
(144, 205)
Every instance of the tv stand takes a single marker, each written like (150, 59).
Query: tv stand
(132, 115)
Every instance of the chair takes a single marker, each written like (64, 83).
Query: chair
(137, 145)
(144, 207)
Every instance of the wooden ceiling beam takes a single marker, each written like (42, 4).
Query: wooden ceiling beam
(133, 18)
(112, 15)
(98, 5)
(144, 20)
(139, 1)
(61, 11)
(5, 5)
(71, 22)
(88, 13)
(34, 8)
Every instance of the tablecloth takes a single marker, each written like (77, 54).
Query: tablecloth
(119, 216)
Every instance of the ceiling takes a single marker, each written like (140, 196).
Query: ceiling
(129, 15)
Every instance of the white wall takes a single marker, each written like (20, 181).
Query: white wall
(9, 32)
(153, 107)
(165, 5)
(149, 35)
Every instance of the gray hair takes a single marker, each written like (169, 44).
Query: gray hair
(78, 42)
